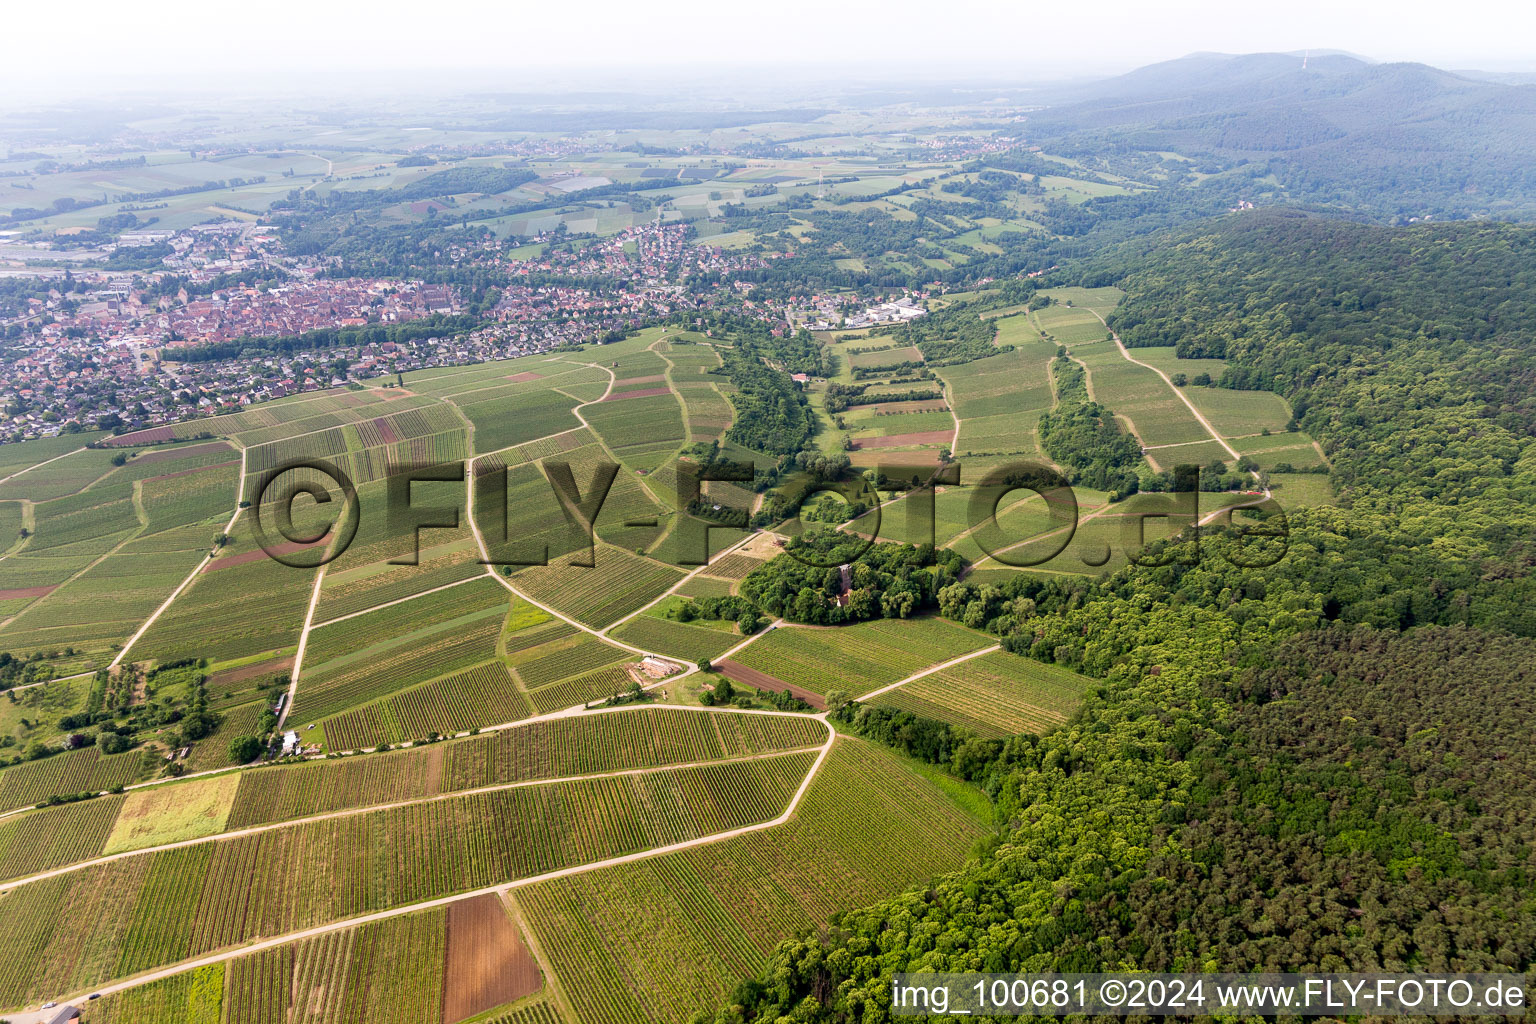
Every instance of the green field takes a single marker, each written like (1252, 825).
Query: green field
(154, 909)
(657, 940)
(860, 657)
(995, 695)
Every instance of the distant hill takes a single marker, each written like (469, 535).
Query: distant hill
(1396, 139)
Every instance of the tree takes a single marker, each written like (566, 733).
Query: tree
(243, 749)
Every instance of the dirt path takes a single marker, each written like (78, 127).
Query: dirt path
(138, 633)
(353, 812)
(1209, 428)
(298, 656)
(499, 890)
(914, 677)
(40, 465)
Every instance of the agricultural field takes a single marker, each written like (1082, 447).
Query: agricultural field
(356, 660)
(172, 904)
(76, 771)
(54, 836)
(857, 658)
(995, 695)
(999, 399)
(617, 584)
(1139, 395)
(19, 458)
(660, 939)
(642, 427)
(1165, 358)
(1066, 325)
(677, 639)
(193, 997)
(162, 815)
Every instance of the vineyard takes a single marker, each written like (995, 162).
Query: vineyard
(657, 940)
(604, 682)
(733, 567)
(187, 498)
(384, 972)
(370, 586)
(690, 643)
(641, 431)
(619, 740)
(49, 838)
(540, 666)
(242, 603)
(379, 653)
(483, 695)
(995, 695)
(609, 741)
(501, 423)
(193, 997)
(619, 584)
(857, 658)
(78, 771)
(478, 696)
(149, 910)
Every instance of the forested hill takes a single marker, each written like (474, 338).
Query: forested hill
(1411, 352)
(1287, 768)
(1393, 139)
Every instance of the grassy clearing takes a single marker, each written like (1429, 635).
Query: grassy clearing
(171, 814)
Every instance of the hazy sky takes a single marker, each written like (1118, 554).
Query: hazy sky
(223, 42)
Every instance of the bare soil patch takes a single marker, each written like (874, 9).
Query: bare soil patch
(903, 440)
(180, 453)
(523, 378)
(639, 393)
(737, 672)
(20, 592)
(487, 963)
(244, 672)
(386, 430)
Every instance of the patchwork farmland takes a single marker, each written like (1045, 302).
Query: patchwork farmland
(485, 759)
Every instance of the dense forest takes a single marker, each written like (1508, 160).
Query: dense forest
(1084, 437)
(1292, 766)
(806, 583)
